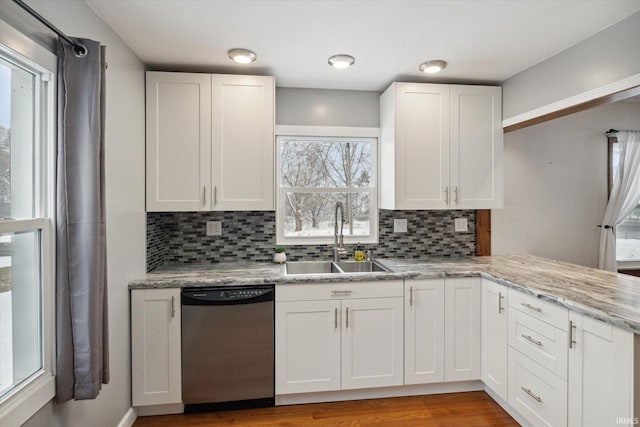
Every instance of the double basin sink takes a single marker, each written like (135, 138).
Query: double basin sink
(328, 267)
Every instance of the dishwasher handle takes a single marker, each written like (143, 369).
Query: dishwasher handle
(227, 295)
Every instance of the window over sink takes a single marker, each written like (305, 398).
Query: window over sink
(315, 171)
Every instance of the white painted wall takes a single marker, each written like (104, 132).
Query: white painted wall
(125, 177)
(327, 107)
(555, 185)
(604, 58)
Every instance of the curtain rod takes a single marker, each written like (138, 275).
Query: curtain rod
(611, 132)
(77, 47)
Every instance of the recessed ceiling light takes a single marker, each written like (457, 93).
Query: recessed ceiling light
(342, 61)
(431, 67)
(242, 56)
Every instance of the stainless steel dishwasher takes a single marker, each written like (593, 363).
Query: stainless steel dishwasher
(227, 347)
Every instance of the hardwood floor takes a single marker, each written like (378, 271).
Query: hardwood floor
(456, 409)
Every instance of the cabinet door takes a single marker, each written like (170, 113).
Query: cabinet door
(178, 141)
(307, 346)
(494, 349)
(422, 146)
(156, 363)
(462, 329)
(476, 147)
(424, 331)
(600, 373)
(243, 142)
(372, 342)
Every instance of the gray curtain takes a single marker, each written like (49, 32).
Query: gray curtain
(82, 363)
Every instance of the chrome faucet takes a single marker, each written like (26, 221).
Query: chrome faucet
(338, 247)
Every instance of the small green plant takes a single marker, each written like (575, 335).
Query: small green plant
(279, 249)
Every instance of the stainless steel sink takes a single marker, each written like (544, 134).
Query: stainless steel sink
(328, 267)
(311, 267)
(362, 267)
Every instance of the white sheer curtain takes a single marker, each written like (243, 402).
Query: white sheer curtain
(624, 197)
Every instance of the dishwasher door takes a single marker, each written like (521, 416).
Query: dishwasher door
(228, 346)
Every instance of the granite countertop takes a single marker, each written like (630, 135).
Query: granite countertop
(610, 297)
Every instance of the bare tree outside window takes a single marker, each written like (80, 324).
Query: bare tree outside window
(315, 173)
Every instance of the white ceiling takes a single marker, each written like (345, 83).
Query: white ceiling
(482, 40)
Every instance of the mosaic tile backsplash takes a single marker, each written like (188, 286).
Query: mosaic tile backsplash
(179, 237)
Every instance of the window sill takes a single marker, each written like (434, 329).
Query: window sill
(24, 402)
(323, 241)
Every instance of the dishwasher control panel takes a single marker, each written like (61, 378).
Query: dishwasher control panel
(223, 294)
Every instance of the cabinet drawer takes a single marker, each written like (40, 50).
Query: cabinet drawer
(541, 342)
(537, 394)
(341, 290)
(543, 310)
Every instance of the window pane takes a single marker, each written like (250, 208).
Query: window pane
(16, 141)
(312, 214)
(628, 237)
(329, 163)
(20, 308)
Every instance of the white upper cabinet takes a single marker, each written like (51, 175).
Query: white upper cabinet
(476, 147)
(178, 141)
(243, 142)
(441, 147)
(210, 142)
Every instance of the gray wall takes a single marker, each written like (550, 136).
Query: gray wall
(555, 177)
(606, 57)
(125, 215)
(327, 107)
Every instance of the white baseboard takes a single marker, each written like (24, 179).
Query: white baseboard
(374, 393)
(129, 418)
(170, 408)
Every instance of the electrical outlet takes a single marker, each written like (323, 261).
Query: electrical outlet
(460, 225)
(214, 228)
(399, 225)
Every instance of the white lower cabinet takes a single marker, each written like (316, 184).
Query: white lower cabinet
(335, 341)
(156, 364)
(462, 298)
(493, 354)
(307, 346)
(537, 394)
(601, 374)
(424, 331)
(372, 343)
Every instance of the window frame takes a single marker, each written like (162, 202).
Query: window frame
(327, 132)
(19, 404)
(611, 140)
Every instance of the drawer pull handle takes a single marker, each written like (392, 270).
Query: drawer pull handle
(410, 296)
(335, 318)
(500, 298)
(347, 310)
(530, 307)
(528, 338)
(530, 393)
(173, 307)
(346, 292)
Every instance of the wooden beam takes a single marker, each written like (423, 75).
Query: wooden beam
(614, 97)
(483, 232)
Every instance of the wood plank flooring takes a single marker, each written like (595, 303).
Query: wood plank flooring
(455, 409)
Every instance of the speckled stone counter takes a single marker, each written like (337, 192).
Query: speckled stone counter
(610, 297)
